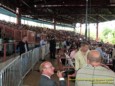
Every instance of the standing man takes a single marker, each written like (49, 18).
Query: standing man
(43, 42)
(81, 56)
(99, 48)
(23, 45)
(47, 71)
(52, 42)
(113, 58)
(95, 73)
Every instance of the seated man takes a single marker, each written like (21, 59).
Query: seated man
(47, 71)
(95, 74)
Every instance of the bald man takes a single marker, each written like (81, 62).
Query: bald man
(94, 74)
(47, 70)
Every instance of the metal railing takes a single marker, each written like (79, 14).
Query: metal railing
(9, 50)
(14, 73)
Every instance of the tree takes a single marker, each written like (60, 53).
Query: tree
(108, 35)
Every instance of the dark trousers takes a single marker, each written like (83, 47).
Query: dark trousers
(113, 64)
(52, 54)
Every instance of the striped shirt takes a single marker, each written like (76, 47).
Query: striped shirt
(95, 76)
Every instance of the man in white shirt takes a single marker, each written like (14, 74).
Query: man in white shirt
(81, 56)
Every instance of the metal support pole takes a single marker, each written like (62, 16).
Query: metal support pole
(86, 20)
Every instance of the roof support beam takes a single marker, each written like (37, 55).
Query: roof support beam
(92, 18)
(25, 3)
(103, 17)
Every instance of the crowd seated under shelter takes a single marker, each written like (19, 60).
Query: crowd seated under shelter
(67, 41)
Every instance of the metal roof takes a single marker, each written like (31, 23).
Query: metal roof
(9, 13)
(65, 11)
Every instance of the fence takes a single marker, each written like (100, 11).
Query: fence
(14, 73)
(16, 34)
(9, 50)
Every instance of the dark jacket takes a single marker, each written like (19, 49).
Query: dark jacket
(52, 45)
(45, 81)
(21, 47)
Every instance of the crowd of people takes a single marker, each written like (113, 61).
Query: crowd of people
(90, 57)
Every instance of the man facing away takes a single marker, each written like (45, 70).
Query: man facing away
(94, 74)
(47, 71)
(99, 48)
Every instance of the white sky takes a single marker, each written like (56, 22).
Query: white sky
(102, 25)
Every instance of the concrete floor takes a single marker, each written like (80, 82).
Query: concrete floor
(32, 78)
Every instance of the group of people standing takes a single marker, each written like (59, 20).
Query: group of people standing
(90, 71)
(89, 68)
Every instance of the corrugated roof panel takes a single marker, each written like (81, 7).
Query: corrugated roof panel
(6, 12)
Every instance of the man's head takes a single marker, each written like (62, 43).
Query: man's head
(84, 46)
(24, 39)
(94, 58)
(47, 68)
(100, 45)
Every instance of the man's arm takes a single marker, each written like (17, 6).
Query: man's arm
(61, 79)
(62, 83)
(76, 63)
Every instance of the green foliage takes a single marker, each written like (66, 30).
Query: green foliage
(107, 31)
(108, 35)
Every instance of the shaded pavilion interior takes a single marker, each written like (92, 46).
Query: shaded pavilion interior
(63, 11)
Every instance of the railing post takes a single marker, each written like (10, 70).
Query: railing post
(15, 47)
(4, 58)
(68, 80)
(1, 79)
